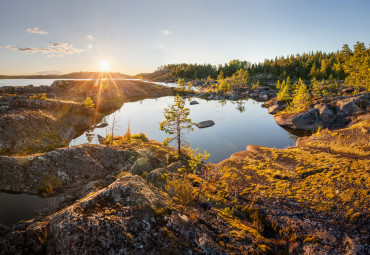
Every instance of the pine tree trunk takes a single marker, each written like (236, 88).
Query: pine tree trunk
(178, 143)
(178, 137)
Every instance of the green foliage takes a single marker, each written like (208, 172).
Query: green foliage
(41, 96)
(288, 83)
(220, 76)
(240, 78)
(283, 94)
(196, 160)
(278, 85)
(255, 84)
(353, 66)
(180, 189)
(316, 87)
(302, 97)
(49, 183)
(140, 136)
(119, 140)
(223, 86)
(89, 103)
(176, 122)
(181, 85)
(357, 66)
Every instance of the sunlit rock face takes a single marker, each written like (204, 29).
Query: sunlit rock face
(335, 113)
(73, 166)
(39, 119)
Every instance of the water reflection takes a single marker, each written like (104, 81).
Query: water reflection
(16, 207)
(237, 124)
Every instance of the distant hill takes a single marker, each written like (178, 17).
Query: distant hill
(75, 75)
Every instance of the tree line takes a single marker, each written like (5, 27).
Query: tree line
(350, 65)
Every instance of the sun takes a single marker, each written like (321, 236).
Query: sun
(104, 66)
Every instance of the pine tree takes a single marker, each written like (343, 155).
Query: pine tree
(278, 85)
(181, 84)
(302, 97)
(283, 94)
(240, 78)
(288, 83)
(313, 71)
(223, 86)
(316, 87)
(220, 76)
(176, 122)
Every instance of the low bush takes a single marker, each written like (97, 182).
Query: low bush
(41, 96)
(50, 183)
(89, 103)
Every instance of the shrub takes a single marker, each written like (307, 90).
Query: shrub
(196, 160)
(223, 86)
(181, 85)
(256, 85)
(180, 189)
(41, 96)
(49, 183)
(140, 136)
(88, 103)
(119, 140)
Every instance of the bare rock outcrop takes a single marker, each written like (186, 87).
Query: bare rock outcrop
(334, 113)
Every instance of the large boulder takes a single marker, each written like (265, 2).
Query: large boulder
(117, 220)
(75, 166)
(305, 121)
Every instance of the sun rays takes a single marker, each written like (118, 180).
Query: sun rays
(106, 84)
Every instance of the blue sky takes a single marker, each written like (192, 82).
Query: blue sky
(140, 35)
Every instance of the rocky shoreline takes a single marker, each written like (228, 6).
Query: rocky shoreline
(106, 211)
(31, 123)
(309, 199)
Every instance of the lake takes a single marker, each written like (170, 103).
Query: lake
(237, 124)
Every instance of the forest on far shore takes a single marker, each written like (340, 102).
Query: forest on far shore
(349, 65)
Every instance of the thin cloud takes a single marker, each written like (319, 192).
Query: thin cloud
(36, 30)
(166, 32)
(58, 49)
(90, 37)
(10, 47)
(161, 49)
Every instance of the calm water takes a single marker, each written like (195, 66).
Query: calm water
(237, 124)
(16, 207)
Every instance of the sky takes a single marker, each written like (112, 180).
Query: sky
(137, 36)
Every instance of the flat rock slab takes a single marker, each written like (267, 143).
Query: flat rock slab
(204, 124)
(193, 102)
